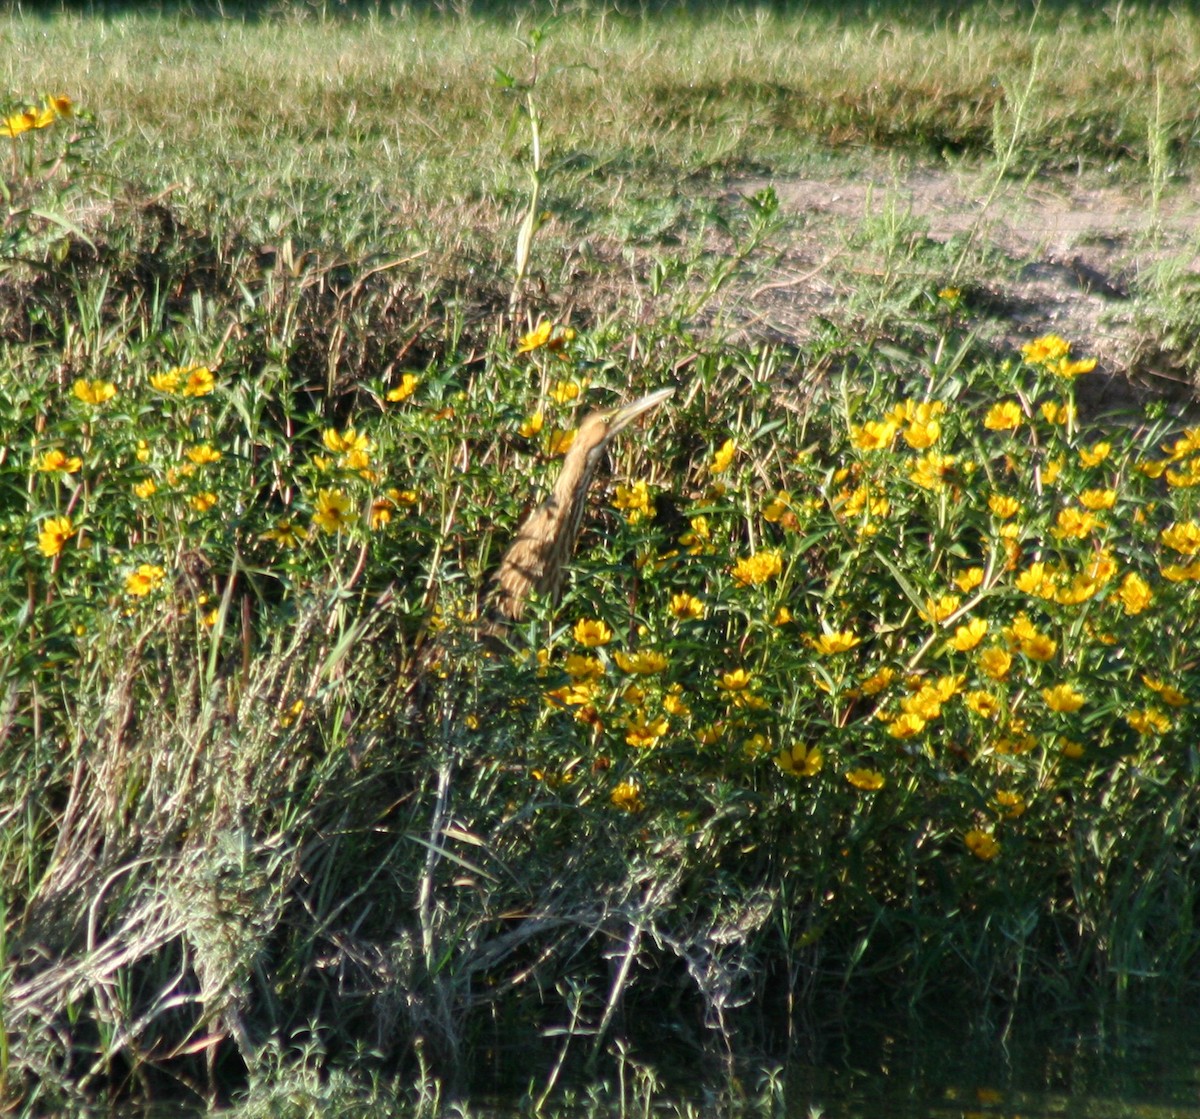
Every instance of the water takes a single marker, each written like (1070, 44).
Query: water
(1141, 1067)
(1148, 1068)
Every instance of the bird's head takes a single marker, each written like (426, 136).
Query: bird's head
(598, 428)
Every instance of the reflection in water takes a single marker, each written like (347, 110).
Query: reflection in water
(1148, 1068)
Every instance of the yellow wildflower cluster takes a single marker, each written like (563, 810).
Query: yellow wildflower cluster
(54, 107)
(1052, 353)
(634, 501)
(750, 571)
(186, 380)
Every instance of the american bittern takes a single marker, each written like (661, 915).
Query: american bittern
(536, 561)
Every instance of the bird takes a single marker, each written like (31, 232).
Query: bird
(536, 560)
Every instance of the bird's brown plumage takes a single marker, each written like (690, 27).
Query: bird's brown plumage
(536, 561)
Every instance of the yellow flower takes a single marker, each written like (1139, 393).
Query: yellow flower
(54, 460)
(579, 667)
(333, 511)
(530, 427)
(1068, 369)
(1096, 500)
(18, 123)
(830, 644)
(967, 636)
(1063, 698)
(591, 632)
(641, 664)
(966, 581)
(1095, 454)
(930, 471)
(1169, 695)
(1149, 721)
(1181, 574)
(203, 502)
(202, 454)
(1038, 580)
(145, 489)
(778, 507)
(642, 732)
(579, 694)
(873, 435)
(982, 844)
(634, 501)
(1005, 415)
(1134, 594)
(752, 570)
(1054, 412)
(285, 534)
(1003, 507)
(995, 663)
(351, 444)
(782, 617)
(145, 580)
(1189, 476)
(197, 380)
(1070, 748)
(950, 295)
(983, 703)
(94, 392)
(723, 459)
(1039, 647)
(166, 382)
(536, 338)
(1051, 471)
(143, 451)
(1182, 537)
(925, 704)
(799, 760)
(923, 427)
(735, 681)
(685, 606)
(868, 780)
(1012, 805)
(756, 746)
(711, 734)
(1071, 524)
(906, 725)
(696, 538)
(876, 682)
(627, 796)
(381, 511)
(1047, 348)
(674, 703)
(939, 609)
(56, 531)
(560, 441)
(407, 386)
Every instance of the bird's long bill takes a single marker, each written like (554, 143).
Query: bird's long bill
(629, 412)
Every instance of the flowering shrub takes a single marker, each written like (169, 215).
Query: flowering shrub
(923, 645)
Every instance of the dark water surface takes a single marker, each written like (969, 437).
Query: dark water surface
(1144, 1064)
(1139, 1064)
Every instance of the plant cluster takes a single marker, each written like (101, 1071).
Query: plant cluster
(889, 676)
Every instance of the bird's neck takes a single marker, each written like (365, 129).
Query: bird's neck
(570, 494)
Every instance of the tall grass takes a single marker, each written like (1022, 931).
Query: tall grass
(875, 673)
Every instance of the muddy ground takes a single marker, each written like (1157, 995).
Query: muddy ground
(1048, 255)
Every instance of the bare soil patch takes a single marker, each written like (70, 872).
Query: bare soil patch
(1061, 256)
